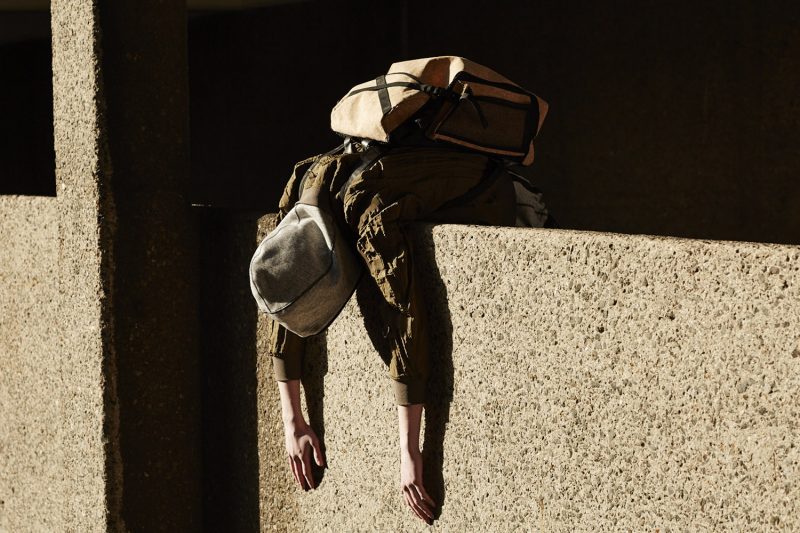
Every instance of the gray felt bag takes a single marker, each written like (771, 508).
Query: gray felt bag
(304, 272)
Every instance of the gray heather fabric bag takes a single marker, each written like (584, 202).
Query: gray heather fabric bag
(303, 273)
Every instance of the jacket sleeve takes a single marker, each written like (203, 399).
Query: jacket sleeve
(381, 204)
(286, 350)
(387, 248)
(291, 192)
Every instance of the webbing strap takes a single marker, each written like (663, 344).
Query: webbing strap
(383, 94)
(312, 161)
(367, 158)
(429, 89)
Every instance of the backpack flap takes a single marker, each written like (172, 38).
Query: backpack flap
(373, 110)
(490, 117)
(472, 106)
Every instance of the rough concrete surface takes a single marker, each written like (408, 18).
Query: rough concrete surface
(594, 382)
(59, 467)
(30, 452)
(96, 282)
(90, 471)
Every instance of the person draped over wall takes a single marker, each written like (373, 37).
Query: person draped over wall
(438, 140)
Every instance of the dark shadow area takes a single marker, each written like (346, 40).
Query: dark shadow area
(667, 117)
(27, 154)
(440, 382)
(229, 373)
(148, 242)
(370, 301)
(263, 82)
(315, 368)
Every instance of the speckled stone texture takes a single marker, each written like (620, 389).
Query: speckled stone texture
(90, 471)
(30, 370)
(583, 381)
(59, 462)
(99, 380)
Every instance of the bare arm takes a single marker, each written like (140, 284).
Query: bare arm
(301, 440)
(409, 419)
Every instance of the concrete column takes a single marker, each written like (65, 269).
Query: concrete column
(87, 438)
(130, 425)
(154, 281)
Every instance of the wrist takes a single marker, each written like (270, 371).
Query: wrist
(291, 412)
(294, 421)
(409, 450)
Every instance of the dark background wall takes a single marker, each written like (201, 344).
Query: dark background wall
(667, 117)
(263, 82)
(27, 157)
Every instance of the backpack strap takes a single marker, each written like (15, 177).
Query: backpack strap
(368, 157)
(310, 161)
(494, 170)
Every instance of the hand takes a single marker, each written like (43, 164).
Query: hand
(411, 484)
(301, 441)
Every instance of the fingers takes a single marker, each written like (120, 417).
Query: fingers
(414, 507)
(424, 495)
(301, 462)
(308, 476)
(294, 462)
(319, 455)
(422, 507)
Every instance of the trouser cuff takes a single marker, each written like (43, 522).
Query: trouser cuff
(287, 369)
(410, 391)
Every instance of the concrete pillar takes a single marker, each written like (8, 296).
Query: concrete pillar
(127, 266)
(88, 436)
(154, 280)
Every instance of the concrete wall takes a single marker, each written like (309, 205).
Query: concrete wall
(583, 381)
(31, 455)
(59, 456)
(98, 356)
(91, 470)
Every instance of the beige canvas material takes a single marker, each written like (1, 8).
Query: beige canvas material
(361, 116)
(478, 108)
(303, 272)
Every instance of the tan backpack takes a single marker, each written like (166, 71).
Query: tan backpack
(449, 99)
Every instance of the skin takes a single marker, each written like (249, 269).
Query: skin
(302, 445)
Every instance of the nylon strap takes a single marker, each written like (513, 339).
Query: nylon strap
(383, 94)
(428, 89)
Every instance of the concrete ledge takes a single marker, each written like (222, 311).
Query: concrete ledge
(584, 381)
(30, 373)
